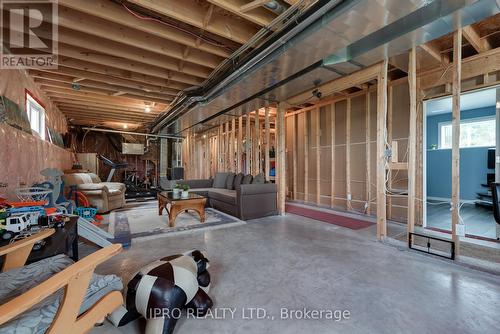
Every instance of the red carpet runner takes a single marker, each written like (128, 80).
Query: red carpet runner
(331, 218)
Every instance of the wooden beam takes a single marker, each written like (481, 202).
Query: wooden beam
(318, 157)
(231, 145)
(145, 82)
(486, 62)
(190, 12)
(256, 146)
(348, 156)
(306, 159)
(368, 167)
(136, 39)
(412, 139)
(239, 145)
(281, 157)
(66, 92)
(339, 84)
(253, 5)
(127, 64)
(389, 140)
(117, 50)
(333, 162)
(267, 138)
(61, 81)
(294, 153)
(260, 16)
(247, 144)
(381, 160)
(435, 53)
(455, 125)
(65, 74)
(113, 12)
(479, 44)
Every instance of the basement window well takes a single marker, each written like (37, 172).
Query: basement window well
(36, 115)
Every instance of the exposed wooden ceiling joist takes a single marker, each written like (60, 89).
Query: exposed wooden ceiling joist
(117, 50)
(80, 112)
(62, 93)
(190, 12)
(134, 38)
(111, 83)
(125, 64)
(258, 16)
(105, 92)
(115, 13)
(253, 5)
(435, 53)
(67, 81)
(472, 36)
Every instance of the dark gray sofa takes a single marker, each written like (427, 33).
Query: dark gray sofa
(245, 201)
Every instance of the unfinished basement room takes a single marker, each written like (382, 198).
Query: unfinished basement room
(231, 166)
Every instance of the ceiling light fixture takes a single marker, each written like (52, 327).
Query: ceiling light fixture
(125, 126)
(147, 109)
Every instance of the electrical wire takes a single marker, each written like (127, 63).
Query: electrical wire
(148, 18)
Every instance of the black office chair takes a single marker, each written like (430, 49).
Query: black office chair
(495, 192)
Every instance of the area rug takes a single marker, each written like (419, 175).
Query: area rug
(327, 217)
(142, 220)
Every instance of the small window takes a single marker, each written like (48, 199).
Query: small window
(474, 132)
(36, 115)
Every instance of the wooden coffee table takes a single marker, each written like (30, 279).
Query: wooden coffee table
(179, 204)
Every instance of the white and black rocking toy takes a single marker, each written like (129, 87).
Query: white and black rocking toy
(160, 290)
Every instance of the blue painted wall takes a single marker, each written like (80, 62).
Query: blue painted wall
(473, 161)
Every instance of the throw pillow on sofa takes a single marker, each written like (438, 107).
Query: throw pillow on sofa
(247, 179)
(220, 180)
(230, 181)
(237, 180)
(259, 178)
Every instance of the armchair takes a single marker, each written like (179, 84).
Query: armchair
(105, 196)
(71, 299)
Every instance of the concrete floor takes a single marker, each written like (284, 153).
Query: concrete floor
(478, 220)
(294, 262)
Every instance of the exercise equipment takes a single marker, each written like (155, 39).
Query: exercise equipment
(114, 166)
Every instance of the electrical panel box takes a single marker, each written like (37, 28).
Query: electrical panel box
(132, 148)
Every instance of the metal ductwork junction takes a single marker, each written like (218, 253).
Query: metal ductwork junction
(330, 40)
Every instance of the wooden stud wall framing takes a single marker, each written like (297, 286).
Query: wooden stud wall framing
(255, 146)
(332, 151)
(267, 139)
(348, 155)
(390, 142)
(318, 155)
(306, 159)
(232, 167)
(294, 152)
(281, 157)
(412, 141)
(247, 145)
(381, 146)
(455, 124)
(239, 144)
(368, 152)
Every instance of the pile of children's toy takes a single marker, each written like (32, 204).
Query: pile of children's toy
(40, 206)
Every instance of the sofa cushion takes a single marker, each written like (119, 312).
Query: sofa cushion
(247, 179)
(230, 181)
(223, 195)
(237, 180)
(220, 180)
(259, 178)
